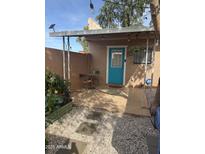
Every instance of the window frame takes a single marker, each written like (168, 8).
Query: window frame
(117, 52)
(150, 53)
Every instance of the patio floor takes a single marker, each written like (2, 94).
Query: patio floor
(122, 100)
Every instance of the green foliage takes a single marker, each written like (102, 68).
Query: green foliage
(56, 91)
(47, 122)
(109, 15)
(46, 143)
(121, 12)
(55, 84)
(133, 49)
(82, 41)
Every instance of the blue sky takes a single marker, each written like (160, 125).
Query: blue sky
(69, 15)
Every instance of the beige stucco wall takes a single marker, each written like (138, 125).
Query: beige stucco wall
(134, 72)
(79, 63)
(54, 61)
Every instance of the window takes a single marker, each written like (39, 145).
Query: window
(139, 57)
(116, 59)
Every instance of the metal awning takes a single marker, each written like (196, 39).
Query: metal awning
(79, 33)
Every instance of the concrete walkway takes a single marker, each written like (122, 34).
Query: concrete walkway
(137, 103)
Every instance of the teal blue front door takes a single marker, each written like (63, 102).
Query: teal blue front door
(116, 65)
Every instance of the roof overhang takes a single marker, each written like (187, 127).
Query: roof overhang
(105, 32)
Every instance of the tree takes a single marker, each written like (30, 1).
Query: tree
(109, 15)
(122, 13)
(155, 12)
(82, 41)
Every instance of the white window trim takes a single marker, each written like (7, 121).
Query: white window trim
(125, 60)
(121, 62)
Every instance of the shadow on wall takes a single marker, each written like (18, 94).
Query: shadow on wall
(136, 78)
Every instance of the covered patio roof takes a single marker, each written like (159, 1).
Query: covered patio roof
(102, 32)
(133, 32)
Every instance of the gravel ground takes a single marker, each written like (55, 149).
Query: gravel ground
(116, 133)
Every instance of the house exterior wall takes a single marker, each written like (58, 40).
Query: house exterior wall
(134, 75)
(79, 63)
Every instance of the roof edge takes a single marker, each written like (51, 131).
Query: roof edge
(77, 33)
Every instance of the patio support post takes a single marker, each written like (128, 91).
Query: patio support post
(63, 57)
(68, 39)
(146, 59)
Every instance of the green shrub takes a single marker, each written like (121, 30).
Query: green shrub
(46, 143)
(57, 91)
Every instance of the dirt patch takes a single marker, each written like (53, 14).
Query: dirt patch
(131, 101)
(101, 100)
(116, 91)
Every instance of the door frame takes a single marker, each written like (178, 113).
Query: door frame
(125, 59)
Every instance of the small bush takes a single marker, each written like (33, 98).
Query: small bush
(46, 143)
(57, 91)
